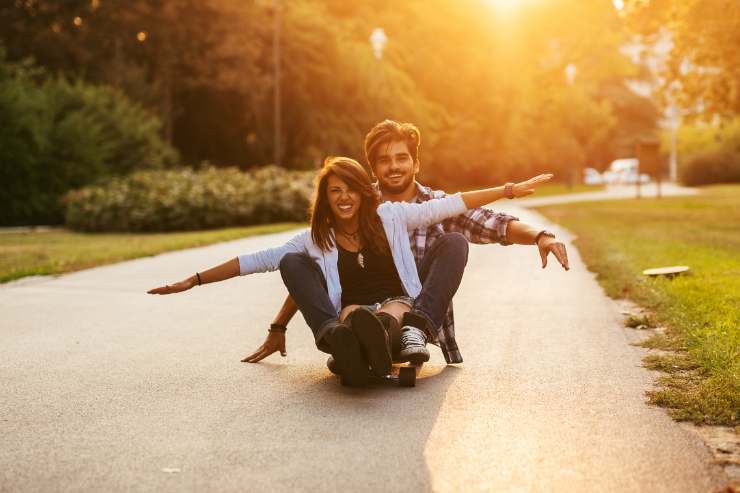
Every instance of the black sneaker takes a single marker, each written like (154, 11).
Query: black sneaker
(413, 345)
(393, 329)
(373, 340)
(413, 339)
(350, 363)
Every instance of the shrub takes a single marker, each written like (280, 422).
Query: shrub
(718, 166)
(58, 135)
(180, 200)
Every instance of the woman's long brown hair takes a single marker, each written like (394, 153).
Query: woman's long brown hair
(371, 231)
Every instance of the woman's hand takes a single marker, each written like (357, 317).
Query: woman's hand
(275, 342)
(173, 288)
(525, 188)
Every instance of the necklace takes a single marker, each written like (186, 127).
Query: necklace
(351, 236)
(355, 238)
(360, 260)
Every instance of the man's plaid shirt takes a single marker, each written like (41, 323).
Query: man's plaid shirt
(478, 226)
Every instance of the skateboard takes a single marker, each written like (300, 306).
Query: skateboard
(403, 374)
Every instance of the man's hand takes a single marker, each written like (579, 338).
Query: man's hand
(522, 189)
(275, 342)
(546, 245)
(173, 288)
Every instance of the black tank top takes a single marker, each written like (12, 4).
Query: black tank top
(377, 281)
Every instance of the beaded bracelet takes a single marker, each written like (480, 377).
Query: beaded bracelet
(278, 328)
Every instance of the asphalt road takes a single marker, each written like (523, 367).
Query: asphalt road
(106, 388)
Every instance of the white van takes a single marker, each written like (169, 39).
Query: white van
(624, 172)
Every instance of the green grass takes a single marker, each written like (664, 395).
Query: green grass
(59, 251)
(701, 311)
(562, 189)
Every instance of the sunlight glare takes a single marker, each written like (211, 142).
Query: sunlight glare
(508, 11)
(505, 5)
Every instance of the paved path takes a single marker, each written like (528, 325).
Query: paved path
(612, 192)
(105, 388)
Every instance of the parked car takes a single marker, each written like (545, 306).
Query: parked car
(592, 177)
(624, 172)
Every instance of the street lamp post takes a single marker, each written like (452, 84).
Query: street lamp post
(276, 62)
(674, 120)
(570, 73)
(570, 77)
(378, 40)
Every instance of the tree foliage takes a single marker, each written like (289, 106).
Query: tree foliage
(486, 85)
(57, 135)
(702, 73)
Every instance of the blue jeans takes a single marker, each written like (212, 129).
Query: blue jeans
(440, 272)
(307, 286)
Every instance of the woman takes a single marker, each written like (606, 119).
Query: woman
(361, 248)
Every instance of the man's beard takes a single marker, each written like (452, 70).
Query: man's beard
(386, 187)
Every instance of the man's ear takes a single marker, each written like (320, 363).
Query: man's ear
(417, 165)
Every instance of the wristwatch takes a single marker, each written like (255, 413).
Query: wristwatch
(509, 190)
(544, 232)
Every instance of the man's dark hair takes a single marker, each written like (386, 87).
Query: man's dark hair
(389, 131)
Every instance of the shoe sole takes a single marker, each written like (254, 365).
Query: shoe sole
(414, 358)
(348, 357)
(373, 340)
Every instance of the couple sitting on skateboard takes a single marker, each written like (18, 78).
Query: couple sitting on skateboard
(374, 280)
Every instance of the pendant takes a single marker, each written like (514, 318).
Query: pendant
(361, 260)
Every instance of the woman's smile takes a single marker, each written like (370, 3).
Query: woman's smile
(345, 211)
(343, 200)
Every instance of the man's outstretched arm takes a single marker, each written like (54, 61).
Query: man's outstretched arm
(275, 340)
(483, 226)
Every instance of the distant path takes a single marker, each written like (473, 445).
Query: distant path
(105, 388)
(612, 192)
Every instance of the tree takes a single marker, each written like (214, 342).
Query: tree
(701, 74)
(59, 135)
(486, 86)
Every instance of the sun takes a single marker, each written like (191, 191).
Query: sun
(505, 5)
(507, 10)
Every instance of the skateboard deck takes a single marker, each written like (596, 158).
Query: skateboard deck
(404, 374)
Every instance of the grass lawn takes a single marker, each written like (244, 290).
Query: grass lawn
(59, 251)
(701, 311)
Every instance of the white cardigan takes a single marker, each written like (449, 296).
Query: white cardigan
(398, 218)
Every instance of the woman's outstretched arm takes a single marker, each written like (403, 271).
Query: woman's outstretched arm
(261, 261)
(227, 270)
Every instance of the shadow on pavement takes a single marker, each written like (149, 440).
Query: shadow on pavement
(322, 436)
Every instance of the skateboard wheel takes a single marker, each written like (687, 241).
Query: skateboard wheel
(332, 365)
(407, 376)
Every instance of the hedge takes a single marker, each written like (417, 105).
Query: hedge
(719, 166)
(181, 200)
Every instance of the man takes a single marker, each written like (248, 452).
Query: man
(392, 153)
